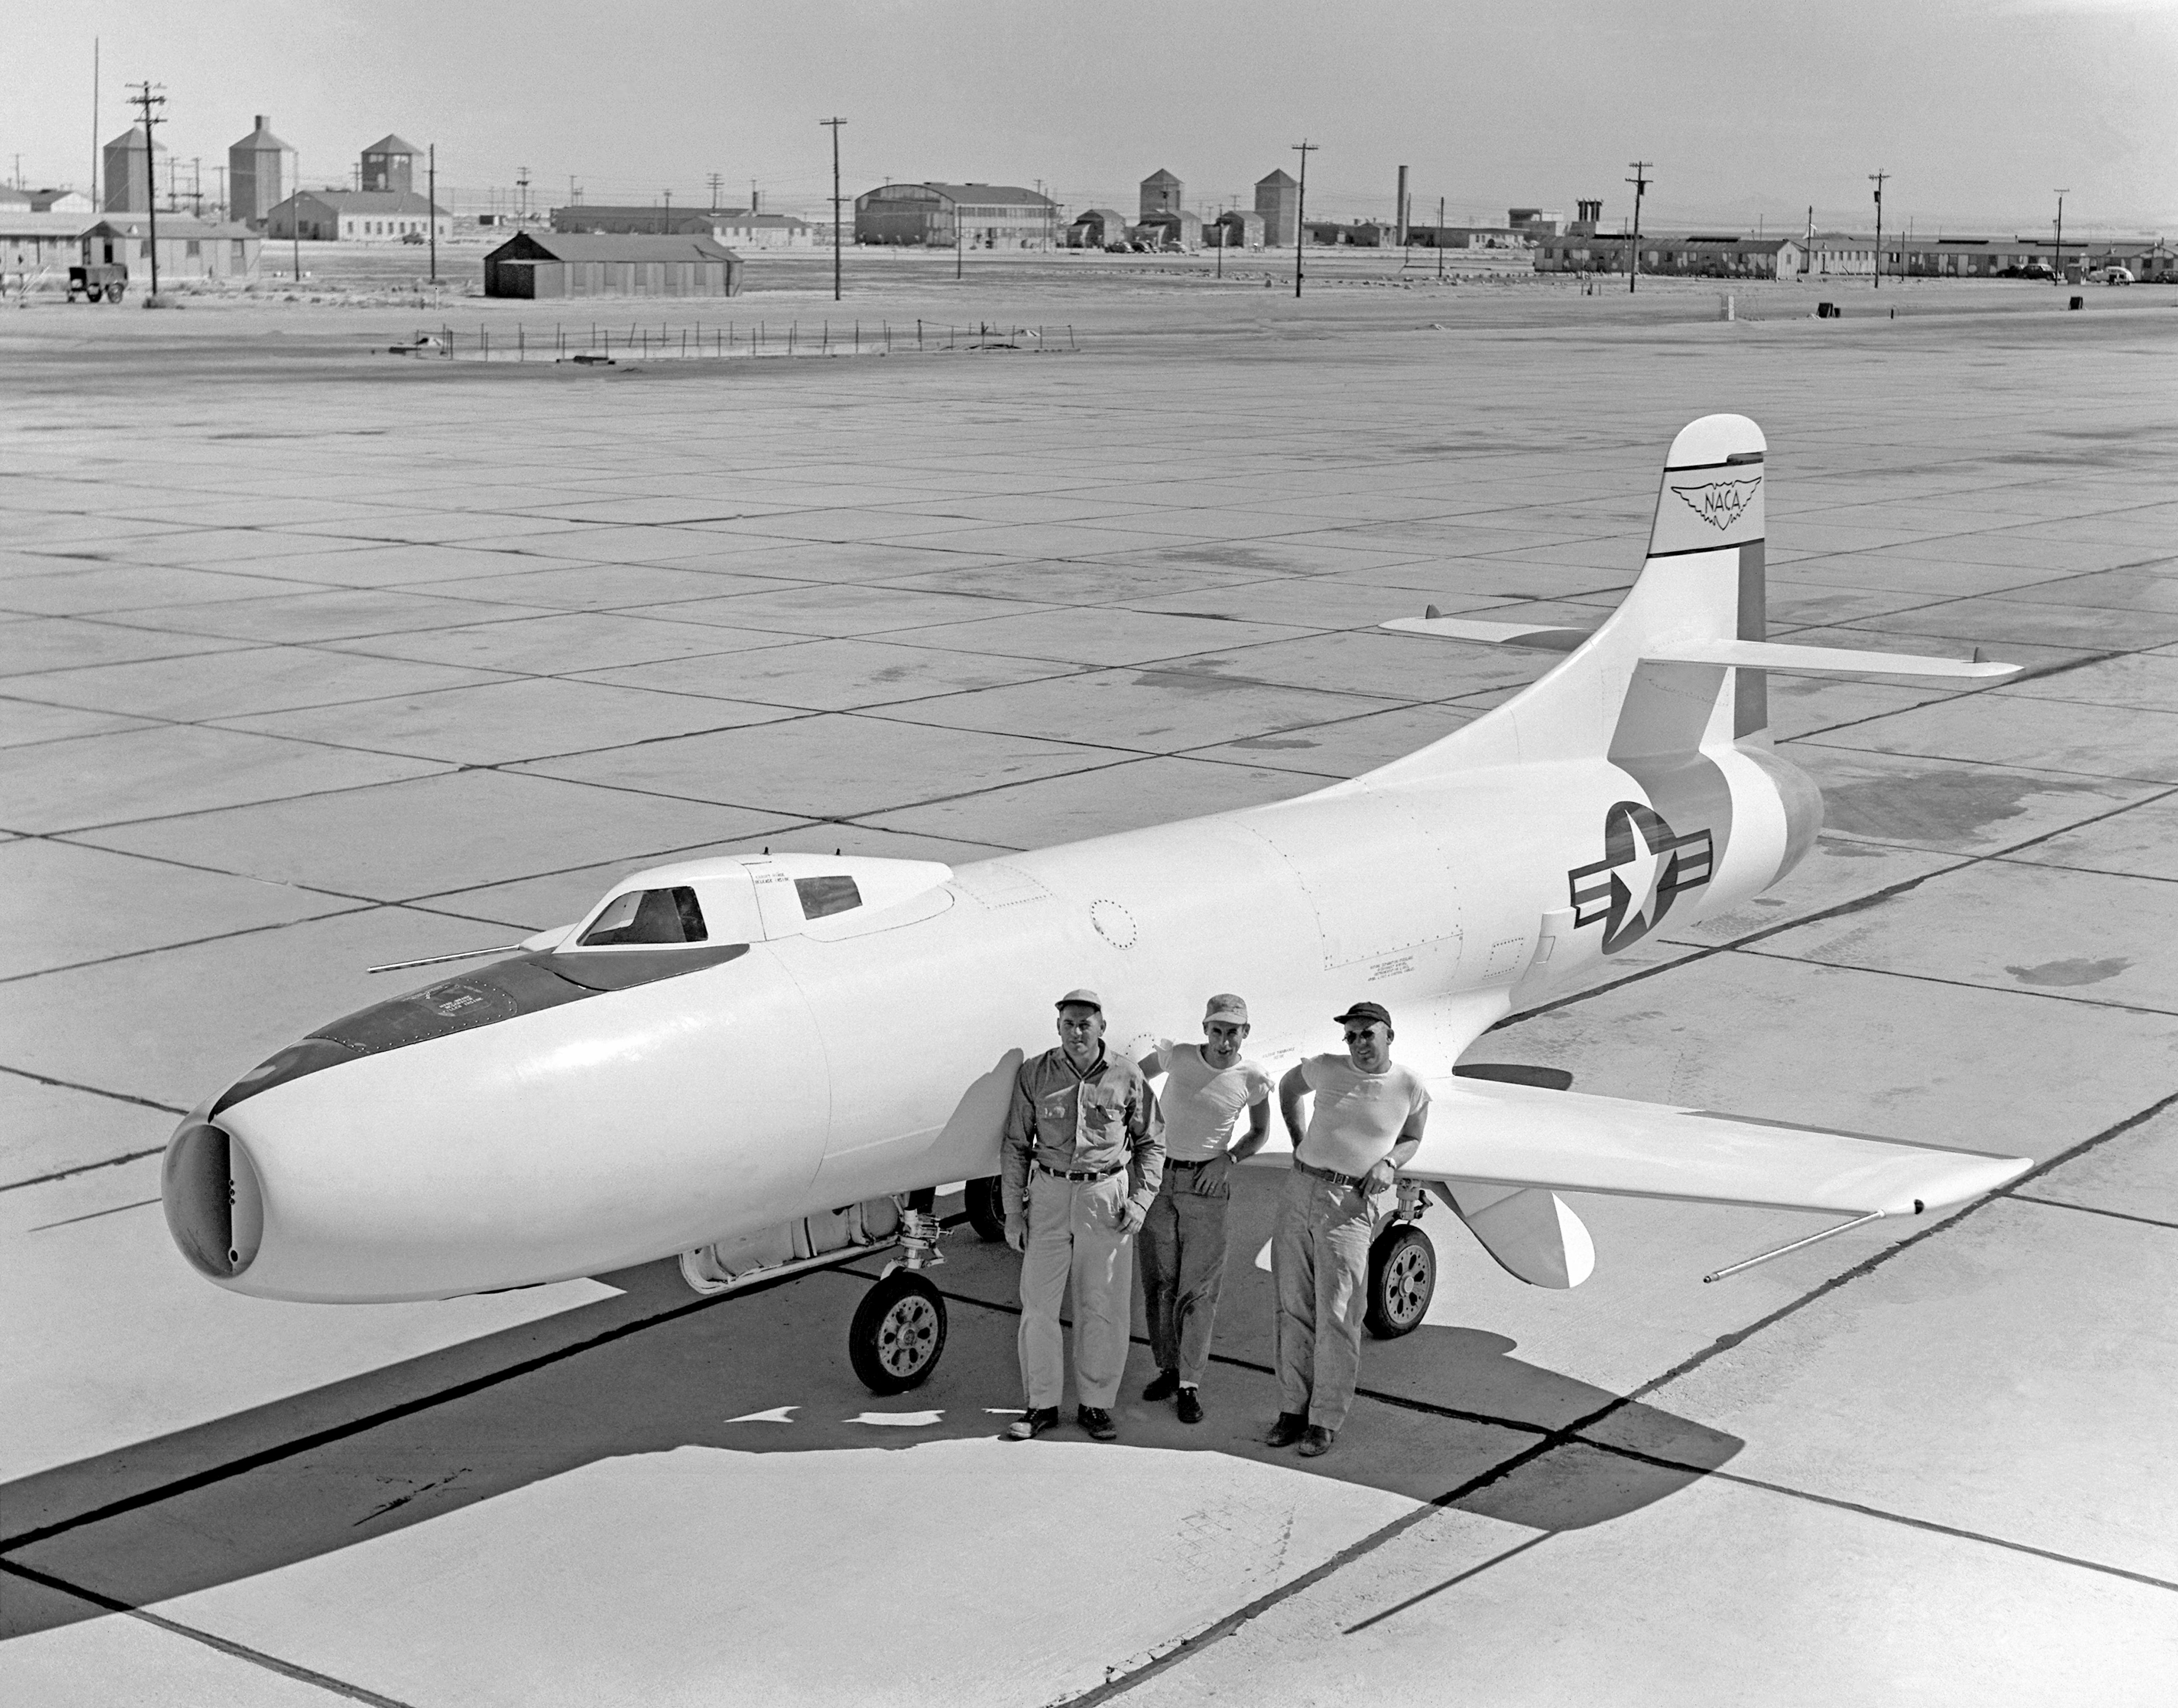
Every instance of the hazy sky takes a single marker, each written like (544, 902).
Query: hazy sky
(1980, 108)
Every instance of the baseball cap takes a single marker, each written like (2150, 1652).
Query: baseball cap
(1365, 1010)
(1226, 1006)
(1081, 999)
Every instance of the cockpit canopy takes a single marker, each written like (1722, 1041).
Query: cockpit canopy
(738, 899)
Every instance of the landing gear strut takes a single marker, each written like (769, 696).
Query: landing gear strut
(1402, 1270)
(899, 1332)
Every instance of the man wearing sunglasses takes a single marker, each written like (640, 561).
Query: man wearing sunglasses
(1182, 1248)
(1080, 1160)
(1368, 1120)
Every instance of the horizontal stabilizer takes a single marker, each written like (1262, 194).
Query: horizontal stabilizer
(1484, 1133)
(1773, 655)
(1543, 637)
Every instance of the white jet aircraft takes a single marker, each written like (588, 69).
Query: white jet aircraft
(692, 1068)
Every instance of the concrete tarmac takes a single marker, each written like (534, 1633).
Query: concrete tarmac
(315, 659)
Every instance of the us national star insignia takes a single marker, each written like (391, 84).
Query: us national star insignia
(1721, 503)
(1644, 866)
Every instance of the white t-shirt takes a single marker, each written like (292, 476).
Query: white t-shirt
(1200, 1103)
(1358, 1117)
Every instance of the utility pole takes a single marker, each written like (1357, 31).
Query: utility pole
(1439, 240)
(1303, 149)
(2060, 268)
(1640, 183)
(520, 197)
(832, 125)
(148, 98)
(97, 204)
(431, 214)
(1877, 179)
(295, 222)
(716, 180)
(665, 220)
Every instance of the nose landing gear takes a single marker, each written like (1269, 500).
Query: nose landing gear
(899, 1332)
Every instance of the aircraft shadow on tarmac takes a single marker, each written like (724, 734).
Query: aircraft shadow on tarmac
(1447, 1415)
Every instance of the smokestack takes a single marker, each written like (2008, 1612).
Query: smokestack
(756, 201)
(1403, 207)
(264, 121)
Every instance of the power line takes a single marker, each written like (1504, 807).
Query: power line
(1877, 179)
(832, 125)
(1640, 182)
(148, 97)
(1300, 208)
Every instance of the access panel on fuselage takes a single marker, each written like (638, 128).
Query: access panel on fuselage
(1378, 879)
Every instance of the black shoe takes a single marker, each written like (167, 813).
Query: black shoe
(1289, 1428)
(1162, 1386)
(1318, 1442)
(1032, 1424)
(1097, 1422)
(1190, 1406)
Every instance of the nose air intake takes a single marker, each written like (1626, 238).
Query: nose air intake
(213, 1208)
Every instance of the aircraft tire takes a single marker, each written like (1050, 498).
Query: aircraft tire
(1402, 1281)
(898, 1334)
(987, 1212)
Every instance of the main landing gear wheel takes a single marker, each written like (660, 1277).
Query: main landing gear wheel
(898, 1334)
(987, 1212)
(1402, 1281)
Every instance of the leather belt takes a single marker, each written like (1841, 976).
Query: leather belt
(1349, 1181)
(1079, 1175)
(1188, 1162)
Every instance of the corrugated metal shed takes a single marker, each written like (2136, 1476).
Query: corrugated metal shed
(570, 264)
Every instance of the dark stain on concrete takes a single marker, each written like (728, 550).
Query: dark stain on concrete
(1936, 806)
(1193, 680)
(2077, 970)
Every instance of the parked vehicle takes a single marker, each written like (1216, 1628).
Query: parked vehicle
(416, 238)
(100, 280)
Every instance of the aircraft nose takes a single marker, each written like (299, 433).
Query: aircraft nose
(214, 1204)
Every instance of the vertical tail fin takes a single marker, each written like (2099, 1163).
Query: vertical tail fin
(1704, 579)
(1683, 663)
(1702, 584)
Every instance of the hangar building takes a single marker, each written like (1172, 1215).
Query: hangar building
(555, 264)
(978, 216)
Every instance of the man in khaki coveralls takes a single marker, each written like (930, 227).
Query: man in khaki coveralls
(1081, 1158)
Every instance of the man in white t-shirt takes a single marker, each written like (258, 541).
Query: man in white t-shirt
(1368, 1120)
(1181, 1250)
